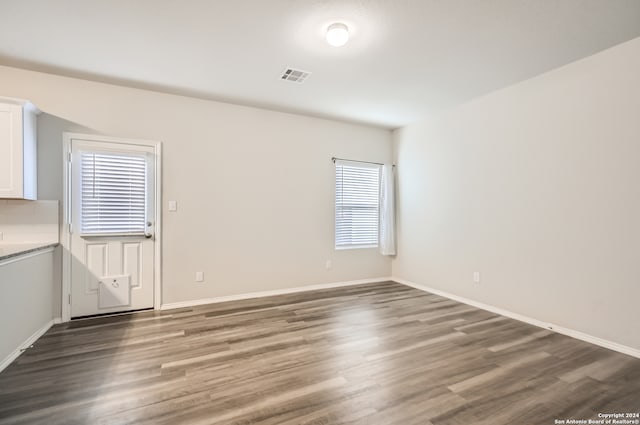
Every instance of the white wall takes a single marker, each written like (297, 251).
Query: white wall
(29, 221)
(536, 186)
(254, 187)
(26, 290)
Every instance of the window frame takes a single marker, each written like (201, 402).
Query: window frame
(148, 181)
(360, 165)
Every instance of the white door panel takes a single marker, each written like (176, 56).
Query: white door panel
(110, 256)
(132, 263)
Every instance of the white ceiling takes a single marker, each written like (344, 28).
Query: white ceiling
(406, 58)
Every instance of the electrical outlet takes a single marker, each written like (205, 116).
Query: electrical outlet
(328, 265)
(476, 277)
(199, 276)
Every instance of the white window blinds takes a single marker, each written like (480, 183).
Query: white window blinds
(357, 204)
(113, 193)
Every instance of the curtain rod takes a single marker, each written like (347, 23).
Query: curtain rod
(334, 159)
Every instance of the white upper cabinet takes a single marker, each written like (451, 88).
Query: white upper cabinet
(18, 161)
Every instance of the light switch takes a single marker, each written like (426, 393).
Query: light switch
(199, 276)
(173, 205)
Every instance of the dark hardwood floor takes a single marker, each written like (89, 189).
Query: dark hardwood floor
(370, 354)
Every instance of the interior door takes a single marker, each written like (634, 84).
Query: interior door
(112, 189)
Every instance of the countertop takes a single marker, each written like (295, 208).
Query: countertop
(8, 250)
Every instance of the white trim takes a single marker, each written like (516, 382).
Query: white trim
(66, 236)
(157, 231)
(20, 257)
(345, 247)
(25, 345)
(192, 303)
(535, 322)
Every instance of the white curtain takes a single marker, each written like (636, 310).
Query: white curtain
(387, 212)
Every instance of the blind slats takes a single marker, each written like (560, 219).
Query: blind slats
(113, 193)
(357, 205)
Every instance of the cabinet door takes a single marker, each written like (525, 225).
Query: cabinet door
(11, 151)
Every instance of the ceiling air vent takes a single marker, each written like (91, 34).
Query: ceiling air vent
(294, 75)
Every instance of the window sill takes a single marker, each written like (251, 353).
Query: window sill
(342, 248)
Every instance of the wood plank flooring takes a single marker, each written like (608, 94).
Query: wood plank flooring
(369, 354)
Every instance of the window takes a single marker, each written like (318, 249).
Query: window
(357, 204)
(113, 198)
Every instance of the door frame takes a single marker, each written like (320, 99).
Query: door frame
(66, 217)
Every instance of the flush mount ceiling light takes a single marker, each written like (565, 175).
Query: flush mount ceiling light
(337, 34)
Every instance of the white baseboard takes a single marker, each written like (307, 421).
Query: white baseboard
(192, 303)
(26, 344)
(550, 326)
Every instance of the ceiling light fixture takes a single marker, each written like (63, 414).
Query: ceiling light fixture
(337, 34)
